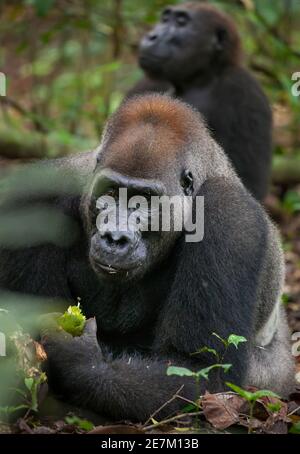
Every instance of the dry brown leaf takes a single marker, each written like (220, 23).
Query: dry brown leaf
(40, 353)
(275, 425)
(222, 410)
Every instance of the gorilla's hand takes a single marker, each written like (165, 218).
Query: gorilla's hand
(68, 355)
(126, 387)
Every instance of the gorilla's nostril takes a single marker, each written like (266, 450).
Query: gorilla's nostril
(115, 239)
(122, 241)
(152, 36)
(109, 239)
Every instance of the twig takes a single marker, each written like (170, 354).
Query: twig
(266, 72)
(117, 29)
(174, 418)
(188, 400)
(165, 404)
(294, 411)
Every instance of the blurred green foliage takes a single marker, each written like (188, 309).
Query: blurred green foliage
(69, 62)
(291, 202)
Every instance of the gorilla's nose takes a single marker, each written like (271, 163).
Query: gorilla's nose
(152, 36)
(117, 241)
(149, 40)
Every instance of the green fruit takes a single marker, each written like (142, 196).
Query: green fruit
(73, 321)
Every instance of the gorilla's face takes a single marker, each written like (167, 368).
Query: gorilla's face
(182, 44)
(126, 234)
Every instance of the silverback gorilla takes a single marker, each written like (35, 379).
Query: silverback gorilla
(194, 52)
(157, 298)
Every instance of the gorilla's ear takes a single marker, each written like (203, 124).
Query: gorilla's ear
(219, 38)
(187, 182)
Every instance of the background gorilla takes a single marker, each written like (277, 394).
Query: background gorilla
(194, 52)
(156, 297)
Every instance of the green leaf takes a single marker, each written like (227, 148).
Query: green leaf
(295, 429)
(235, 340)
(206, 350)
(9, 410)
(241, 392)
(204, 372)
(29, 383)
(264, 393)
(190, 408)
(224, 341)
(226, 367)
(83, 424)
(274, 407)
(252, 397)
(180, 371)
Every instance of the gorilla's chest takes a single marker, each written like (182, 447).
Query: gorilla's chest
(126, 322)
(201, 98)
(125, 314)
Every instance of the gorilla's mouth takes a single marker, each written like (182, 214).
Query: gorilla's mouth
(108, 268)
(151, 62)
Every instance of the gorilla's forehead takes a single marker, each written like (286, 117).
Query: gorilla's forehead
(143, 151)
(205, 12)
(149, 134)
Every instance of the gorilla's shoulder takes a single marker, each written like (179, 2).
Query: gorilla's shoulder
(230, 205)
(239, 81)
(229, 192)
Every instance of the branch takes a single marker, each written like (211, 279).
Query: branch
(286, 170)
(39, 126)
(258, 68)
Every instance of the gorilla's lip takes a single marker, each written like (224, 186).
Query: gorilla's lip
(108, 269)
(151, 57)
(154, 61)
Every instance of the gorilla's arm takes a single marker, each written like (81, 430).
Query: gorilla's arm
(216, 286)
(214, 290)
(129, 387)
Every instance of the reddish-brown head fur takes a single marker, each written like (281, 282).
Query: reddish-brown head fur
(147, 134)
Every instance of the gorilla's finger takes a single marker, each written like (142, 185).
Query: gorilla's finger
(49, 337)
(90, 328)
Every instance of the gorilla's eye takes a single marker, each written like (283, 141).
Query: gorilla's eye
(221, 35)
(187, 182)
(182, 19)
(165, 15)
